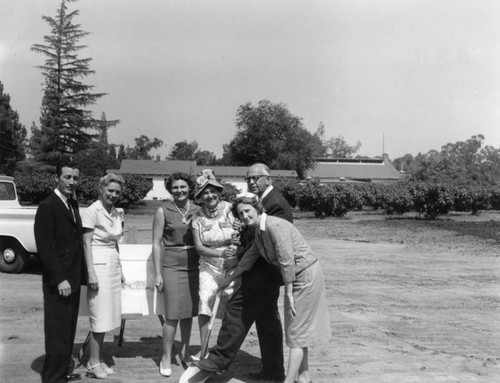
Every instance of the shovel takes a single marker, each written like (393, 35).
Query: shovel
(194, 374)
(204, 346)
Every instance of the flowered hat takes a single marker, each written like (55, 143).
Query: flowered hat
(206, 178)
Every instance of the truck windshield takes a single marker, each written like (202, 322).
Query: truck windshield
(7, 192)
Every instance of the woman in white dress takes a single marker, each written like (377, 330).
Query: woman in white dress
(212, 234)
(103, 228)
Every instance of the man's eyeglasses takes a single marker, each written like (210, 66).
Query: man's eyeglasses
(254, 178)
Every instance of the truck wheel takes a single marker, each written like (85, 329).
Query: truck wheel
(13, 258)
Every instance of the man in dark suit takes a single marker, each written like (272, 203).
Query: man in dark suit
(59, 240)
(257, 299)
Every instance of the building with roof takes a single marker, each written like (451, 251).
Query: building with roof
(349, 170)
(354, 170)
(158, 171)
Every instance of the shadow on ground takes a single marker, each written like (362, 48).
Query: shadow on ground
(151, 348)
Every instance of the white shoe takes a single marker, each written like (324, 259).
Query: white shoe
(165, 371)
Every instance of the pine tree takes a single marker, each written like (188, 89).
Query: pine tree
(66, 127)
(12, 135)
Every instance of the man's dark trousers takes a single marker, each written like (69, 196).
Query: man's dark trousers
(60, 318)
(256, 301)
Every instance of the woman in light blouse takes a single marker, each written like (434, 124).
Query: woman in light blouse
(307, 321)
(103, 228)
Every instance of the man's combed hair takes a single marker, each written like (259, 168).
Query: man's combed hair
(66, 163)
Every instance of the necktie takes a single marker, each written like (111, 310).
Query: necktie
(70, 207)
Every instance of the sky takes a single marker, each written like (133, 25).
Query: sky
(400, 76)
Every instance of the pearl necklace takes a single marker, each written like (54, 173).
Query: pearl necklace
(212, 213)
(184, 221)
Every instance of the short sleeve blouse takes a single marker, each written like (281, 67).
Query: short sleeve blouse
(108, 227)
(215, 232)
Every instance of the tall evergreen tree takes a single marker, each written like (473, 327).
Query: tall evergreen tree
(12, 135)
(103, 127)
(66, 126)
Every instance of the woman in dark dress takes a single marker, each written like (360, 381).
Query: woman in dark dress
(176, 267)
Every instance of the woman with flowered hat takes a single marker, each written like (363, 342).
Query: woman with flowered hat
(212, 233)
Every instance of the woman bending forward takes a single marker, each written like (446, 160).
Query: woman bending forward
(307, 321)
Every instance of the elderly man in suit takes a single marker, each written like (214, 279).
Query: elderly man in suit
(59, 240)
(256, 301)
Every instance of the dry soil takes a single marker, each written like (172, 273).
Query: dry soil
(410, 301)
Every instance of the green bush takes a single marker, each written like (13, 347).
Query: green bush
(395, 199)
(372, 195)
(473, 199)
(34, 186)
(136, 188)
(432, 200)
(328, 200)
(229, 193)
(495, 197)
(289, 188)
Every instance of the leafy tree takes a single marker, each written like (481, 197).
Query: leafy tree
(337, 147)
(95, 161)
(112, 153)
(269, 133)
(183, 150)
(460, 163)
(205, 157)
(188, 151)
(66, 126)
(12, 135)
(143, 145)
(403, 163)
(121, 153)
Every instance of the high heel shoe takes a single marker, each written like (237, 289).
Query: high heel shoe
(91, 371)
(165, 371)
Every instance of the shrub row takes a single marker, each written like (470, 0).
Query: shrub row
(33, 187)
(427, 199)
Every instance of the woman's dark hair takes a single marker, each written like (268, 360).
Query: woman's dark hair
(179, 176)
(250, 199)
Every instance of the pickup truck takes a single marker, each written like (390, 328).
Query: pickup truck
(17, 240)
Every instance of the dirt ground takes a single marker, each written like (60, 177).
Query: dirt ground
(409, 301)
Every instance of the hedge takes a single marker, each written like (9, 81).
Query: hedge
(34, 187)
(429, 200)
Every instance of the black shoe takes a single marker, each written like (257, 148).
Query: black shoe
(261, 375)
(207, 365)
(73, 377)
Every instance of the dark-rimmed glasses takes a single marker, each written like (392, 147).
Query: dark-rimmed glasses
(254, 178)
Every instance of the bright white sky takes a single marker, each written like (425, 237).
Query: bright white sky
(420, 73)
